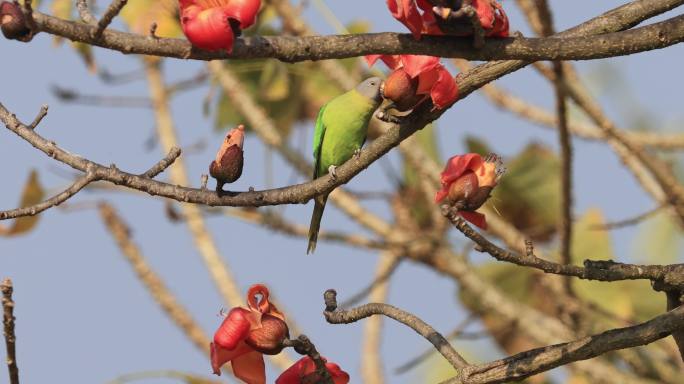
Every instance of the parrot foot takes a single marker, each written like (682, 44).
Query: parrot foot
(357, 153)
(388, 117)
(332, 171)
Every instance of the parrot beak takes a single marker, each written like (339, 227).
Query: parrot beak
(382, 89)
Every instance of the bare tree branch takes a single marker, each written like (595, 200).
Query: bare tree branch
(10, 337)
(335, 316)
(671, 276)
(112, 11)
(526, 364)
(293, 49)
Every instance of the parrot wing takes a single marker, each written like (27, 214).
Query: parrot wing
(319, 133)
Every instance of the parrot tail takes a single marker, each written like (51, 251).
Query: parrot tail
(319, 206)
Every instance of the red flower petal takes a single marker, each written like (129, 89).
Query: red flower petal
(475, 217)
(414, 65)
(244, 11)
(501, 26)
(207, 29)
(234, 328)
(458, 164)
(263, 305)
(444, 91)
(392, 61)
(249, 367)
(406, 12)
(220, 355)
(485, 12)
(305, 367)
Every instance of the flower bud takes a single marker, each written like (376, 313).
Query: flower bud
(463, 188)
(401, 89)
(13, 22)
(227, 167)
(268, 339)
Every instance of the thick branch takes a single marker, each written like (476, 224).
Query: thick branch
(335, 316)
(526, 364)
(293, 49)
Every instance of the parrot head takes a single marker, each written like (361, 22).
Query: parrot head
(370, 88)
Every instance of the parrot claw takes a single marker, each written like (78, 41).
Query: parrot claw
(357, 153)
(332, 171)
(388, 117)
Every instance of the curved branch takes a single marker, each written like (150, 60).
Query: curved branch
(54, 201)
(335, 316)
(294, 49)
(528, 363)
(671, 276)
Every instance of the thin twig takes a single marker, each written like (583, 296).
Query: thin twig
(10, 337)
(335, 316)
(39, 117)
(171, 157)
(54, 201)
(629, 221)
(381, 276)
(457, 332)
(304, 346)
(112, 11)
(84, 12)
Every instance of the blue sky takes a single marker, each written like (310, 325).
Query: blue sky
(82, 316)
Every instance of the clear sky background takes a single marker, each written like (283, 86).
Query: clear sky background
(83, 317)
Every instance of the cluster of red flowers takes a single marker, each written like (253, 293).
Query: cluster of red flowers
(490, 13)
(246, 334)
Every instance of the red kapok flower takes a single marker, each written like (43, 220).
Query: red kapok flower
(246, 334)
(212, 24)
(304, 371)
(415, 78)
(468, 180)
(419, 23)
(420, 17)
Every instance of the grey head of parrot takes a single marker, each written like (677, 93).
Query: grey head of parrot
(370, 88)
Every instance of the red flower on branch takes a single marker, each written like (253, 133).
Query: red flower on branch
(214, 24)
(421, 17)
(304, 371)
(467, 181)
(414, 79)
(248, 333)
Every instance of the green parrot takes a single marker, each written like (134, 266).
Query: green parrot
(341, 128)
